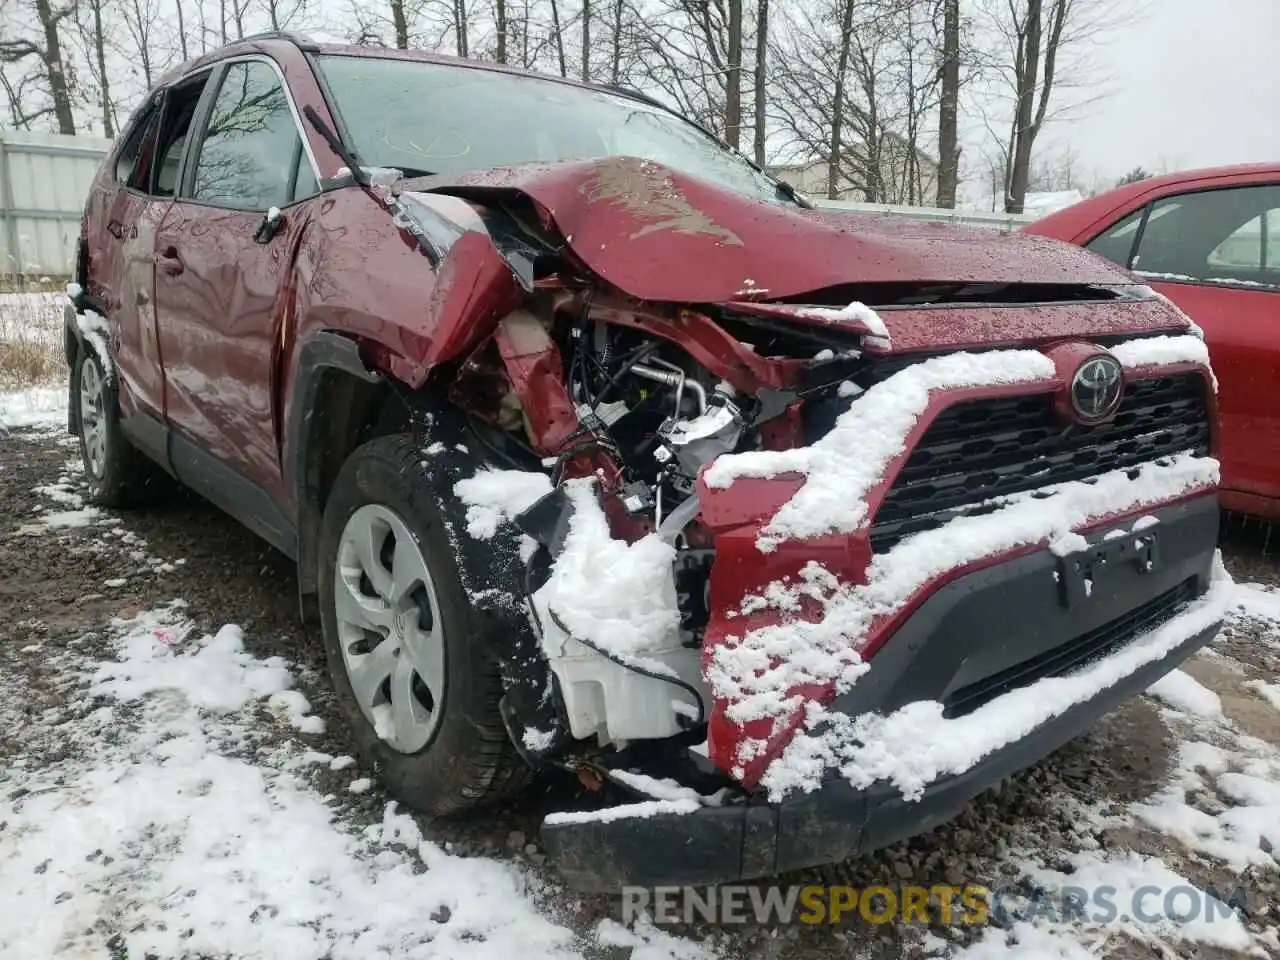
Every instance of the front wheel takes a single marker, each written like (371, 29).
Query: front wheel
(401, 639)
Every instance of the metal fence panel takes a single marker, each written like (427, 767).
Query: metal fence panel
(44, 179)
(968, 218)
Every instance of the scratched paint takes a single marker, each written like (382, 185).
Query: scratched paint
(648, 192)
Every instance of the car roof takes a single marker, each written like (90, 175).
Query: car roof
(1081, 220)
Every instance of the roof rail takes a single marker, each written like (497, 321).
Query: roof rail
(300, 39)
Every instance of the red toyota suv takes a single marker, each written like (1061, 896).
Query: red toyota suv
(600, 451)
(1209, 240)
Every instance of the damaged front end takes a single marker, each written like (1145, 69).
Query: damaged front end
(763, 510)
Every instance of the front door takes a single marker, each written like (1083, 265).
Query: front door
(122, 214)
(224, 255)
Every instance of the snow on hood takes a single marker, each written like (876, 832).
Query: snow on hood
(659, 234)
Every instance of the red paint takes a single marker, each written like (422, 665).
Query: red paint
(1241, 327)
(536, 372)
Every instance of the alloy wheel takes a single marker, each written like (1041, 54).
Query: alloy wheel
(389, 628)
(93, 421)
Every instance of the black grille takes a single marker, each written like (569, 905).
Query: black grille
(1074, 654)
(984, 449)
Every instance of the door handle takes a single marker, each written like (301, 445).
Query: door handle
(171, 262)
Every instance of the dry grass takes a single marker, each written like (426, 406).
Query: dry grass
(30, 339)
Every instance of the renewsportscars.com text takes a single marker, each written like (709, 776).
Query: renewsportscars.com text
(969, 904)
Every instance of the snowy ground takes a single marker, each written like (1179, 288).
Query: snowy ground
(173, 784)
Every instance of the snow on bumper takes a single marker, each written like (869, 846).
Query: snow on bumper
(862, 780)
(916, 745)
(764, 697)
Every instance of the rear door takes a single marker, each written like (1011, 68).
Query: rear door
(220, 312)
(1216, 254)
(122, 214)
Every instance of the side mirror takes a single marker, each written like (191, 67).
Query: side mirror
(272, 221)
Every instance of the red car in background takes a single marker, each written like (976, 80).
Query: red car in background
(1209, 240)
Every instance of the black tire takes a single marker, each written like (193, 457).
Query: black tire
(469, 760)
(120, 476)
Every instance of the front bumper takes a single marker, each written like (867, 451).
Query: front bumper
(996, 629)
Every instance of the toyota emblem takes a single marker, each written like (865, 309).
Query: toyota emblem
(1096, 388)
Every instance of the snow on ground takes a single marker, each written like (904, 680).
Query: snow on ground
(1221, 806)
(174, 828)
(164, 808)
(1179, 690)
(42, 406)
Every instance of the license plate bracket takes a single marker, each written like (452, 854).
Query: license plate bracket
(1079, 572)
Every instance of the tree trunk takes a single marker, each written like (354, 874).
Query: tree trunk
(501, 18)
(949, 107)
(733, 87)
(59, 89)
(837, 101)
(100, 53)
(615, 66)
(762, 72)
(401, 24)
(586, 41)
(555, 25)
(460, 26)
(182, 31)
(1024, 131)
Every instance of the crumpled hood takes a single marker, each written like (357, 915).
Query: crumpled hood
(659, 234)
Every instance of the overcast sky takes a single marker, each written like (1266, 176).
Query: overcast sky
(1194, 83)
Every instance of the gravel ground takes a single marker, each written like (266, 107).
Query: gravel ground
(61, 585)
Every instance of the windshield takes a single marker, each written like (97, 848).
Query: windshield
(429, 118)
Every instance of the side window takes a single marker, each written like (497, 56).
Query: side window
(1116, 244)
(247, 157)
(133, 162)
(1212, 236)
(179, 109)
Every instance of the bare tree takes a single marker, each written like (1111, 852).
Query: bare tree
(281, 14)
(1044, 48)
(761, 80)
(949, 106)
(140, 20)
(733, 84)
(401, 24)
(558, 33)
(460, 26)
(586, 41)
(93, 39)
(45, 49)
(500, 17)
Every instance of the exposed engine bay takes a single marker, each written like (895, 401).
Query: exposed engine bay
(647, 417)
(581, 386)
